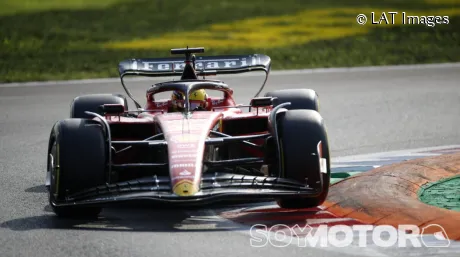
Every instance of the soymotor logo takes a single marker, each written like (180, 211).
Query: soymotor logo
(342, 236)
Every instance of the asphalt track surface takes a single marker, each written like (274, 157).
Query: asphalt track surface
(365, 111)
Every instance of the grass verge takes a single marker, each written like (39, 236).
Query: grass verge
(443, 194)
(54, 40)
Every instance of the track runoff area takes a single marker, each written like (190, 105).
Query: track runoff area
(330, 226)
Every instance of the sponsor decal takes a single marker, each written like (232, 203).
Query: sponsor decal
(188, 177)
(181, 151)
(323, 165)
(185, 173)
(183, 165)
(185, 146)
(322, 161)
(179, 126)
(184, 138)
(179, 65)
(183, 156)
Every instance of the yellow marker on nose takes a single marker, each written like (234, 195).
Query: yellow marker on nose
(185, 188)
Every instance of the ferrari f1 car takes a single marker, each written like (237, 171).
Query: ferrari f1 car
(276, 147)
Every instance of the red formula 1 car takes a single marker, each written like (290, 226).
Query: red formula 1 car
(274, 148)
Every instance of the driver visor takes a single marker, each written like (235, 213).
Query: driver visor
(193, 104)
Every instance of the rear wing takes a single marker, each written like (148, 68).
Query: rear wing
(204, 65)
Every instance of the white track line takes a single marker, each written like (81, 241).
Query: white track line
(273, 73)
(415, 152)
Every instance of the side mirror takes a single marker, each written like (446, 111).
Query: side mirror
(111, 109)
(262, 101)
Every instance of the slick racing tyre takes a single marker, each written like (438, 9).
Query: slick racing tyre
(300, 131)
(91, 103)
(77, 156)
(300, 98)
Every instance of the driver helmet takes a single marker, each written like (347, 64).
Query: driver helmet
(197, 98)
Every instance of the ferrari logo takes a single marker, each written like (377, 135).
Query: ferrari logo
(185, 188)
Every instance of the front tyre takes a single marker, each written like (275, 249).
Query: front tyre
(301, 132)
(76, 160)
(306, 99)
(91, 103)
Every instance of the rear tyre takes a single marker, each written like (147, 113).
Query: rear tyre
(91, 103)
(306, 99)
(300, 131)
(77, 156)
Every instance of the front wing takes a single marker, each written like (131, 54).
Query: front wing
(215, 187)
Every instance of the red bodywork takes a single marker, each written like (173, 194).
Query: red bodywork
(185, 136)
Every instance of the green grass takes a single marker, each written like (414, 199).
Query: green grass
(54, 40)
(9, 7)
(443, 194)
